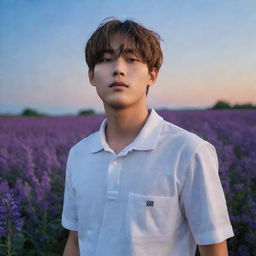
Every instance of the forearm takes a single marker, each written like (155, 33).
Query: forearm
(219, 249)
(71, 248)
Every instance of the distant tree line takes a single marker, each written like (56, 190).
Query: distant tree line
(225, 105)
(218, 105)
(86, 112)
(32, 112)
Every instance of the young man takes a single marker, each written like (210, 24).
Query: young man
(140, 186)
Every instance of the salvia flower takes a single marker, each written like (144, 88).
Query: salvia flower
(11, 222)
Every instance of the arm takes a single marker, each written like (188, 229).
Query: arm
(72, 247)
(219, 249)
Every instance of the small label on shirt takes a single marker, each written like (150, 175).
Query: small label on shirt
(150, 203)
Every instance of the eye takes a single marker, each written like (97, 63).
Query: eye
(132, 59)
(106, 60)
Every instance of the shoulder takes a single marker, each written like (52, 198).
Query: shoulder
(186, 144)
(181, 138)
(84, 145)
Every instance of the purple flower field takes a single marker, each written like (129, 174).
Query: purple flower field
(33, 156)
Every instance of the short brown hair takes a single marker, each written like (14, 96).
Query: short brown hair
(147, 42)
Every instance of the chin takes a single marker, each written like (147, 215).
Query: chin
(116, 104)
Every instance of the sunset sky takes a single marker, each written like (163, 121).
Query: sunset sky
(209, 52)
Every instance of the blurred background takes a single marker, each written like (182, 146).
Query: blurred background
(209, 53)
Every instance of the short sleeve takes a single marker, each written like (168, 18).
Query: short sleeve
(69, 215)
(202, 198)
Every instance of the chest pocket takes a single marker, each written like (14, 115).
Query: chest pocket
(148, 217)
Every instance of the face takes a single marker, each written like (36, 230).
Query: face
(125, 68)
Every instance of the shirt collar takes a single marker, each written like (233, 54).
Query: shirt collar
(145, 140)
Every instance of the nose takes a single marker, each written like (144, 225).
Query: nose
(119, 67)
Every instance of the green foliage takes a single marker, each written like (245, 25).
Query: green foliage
(225, 105)
(11, 247)
(31, 112)
(221, 105)
(86, 112)
(244, 106)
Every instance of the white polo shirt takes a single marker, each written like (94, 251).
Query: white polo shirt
(160, 196)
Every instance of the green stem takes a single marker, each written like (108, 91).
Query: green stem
(9, 238)
(44, 231)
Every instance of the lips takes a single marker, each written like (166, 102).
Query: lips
(118, 84)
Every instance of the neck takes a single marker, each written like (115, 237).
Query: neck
(124, 125)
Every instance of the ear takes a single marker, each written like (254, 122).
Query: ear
(91, 77)
(152, 76)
